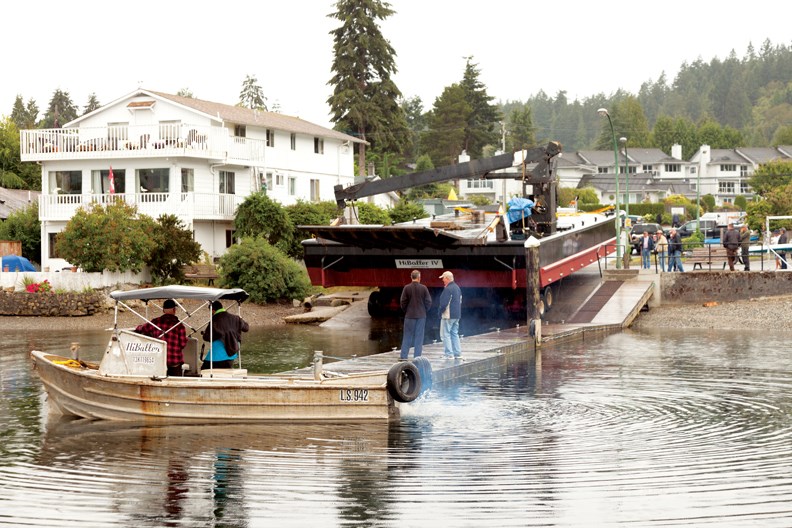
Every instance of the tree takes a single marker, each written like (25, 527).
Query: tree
(24, 117)
(480, 129)
(24, 225)
(307, 213)
(252, 95)
(365, 99)
(265, 273)
(770, 176)
(371, 214)
(445, 139)
(406, 211)
(13, 173)
(113, 238)
(61, 110)
(93, 104)
(185, 92)
(259, 215)
(521, 130)
(174, 247)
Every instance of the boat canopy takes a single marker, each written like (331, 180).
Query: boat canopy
(181, 292)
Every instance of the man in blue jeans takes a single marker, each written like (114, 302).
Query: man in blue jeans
(415, 302)
(450, 307)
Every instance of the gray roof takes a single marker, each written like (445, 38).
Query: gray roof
(759, 155)
(726, 156)
(13, 200)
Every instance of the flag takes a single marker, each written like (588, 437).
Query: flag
(112, 181)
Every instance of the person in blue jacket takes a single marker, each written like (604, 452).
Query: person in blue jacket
(450, 307)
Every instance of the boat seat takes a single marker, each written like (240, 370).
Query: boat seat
(224, 373)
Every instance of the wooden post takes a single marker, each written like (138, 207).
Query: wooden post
(533, 297)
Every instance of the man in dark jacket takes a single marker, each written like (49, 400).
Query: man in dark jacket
(782, 252)
(415, 302)
(745, 246)
(450, 306)
(731, 241)
(226, 333)
(674, 251)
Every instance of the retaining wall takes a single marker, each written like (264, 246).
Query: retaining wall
(51, 304)
(705, 286)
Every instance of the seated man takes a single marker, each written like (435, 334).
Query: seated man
(226, 335)
(168, 328)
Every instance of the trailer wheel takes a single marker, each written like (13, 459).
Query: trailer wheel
(375, 304)
(425, 372)
(541, 307)
(548, 298)
(404, 382)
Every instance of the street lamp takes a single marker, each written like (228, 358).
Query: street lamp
(626, 177)
(604, 112)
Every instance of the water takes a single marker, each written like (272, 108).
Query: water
(642, 428)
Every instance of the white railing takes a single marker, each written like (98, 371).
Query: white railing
(188, 206)
(118, 141)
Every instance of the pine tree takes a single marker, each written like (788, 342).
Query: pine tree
(61, 110)
(481, 128)
(93, 104)
(24, 117)
(252, 95)
(365, 100)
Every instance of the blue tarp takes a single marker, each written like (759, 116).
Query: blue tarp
(519, 208)
(15, 263)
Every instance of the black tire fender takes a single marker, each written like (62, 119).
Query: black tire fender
(425, 371)
(404, 382)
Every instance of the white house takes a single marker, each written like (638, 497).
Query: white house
(196, 159)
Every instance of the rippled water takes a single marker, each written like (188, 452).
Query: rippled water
(636, 429)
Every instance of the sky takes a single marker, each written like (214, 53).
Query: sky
(521, 47)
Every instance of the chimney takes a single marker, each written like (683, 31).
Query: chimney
(676, 151)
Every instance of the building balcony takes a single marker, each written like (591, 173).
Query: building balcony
(140, 141)
(187, 206)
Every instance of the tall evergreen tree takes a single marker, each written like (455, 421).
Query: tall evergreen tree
(521, 131)
(445, 139)
(482, 123)
(24, 117)
(93, 104)
(61, 110)
(252, 95)
(365, 100)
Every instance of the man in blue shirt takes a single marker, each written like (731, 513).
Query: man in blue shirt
(450, 313)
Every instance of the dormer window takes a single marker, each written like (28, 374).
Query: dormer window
(141, 105)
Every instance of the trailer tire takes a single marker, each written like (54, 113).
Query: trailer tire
(375, 304)
(425, 371)
(548, 298)
(404, 382)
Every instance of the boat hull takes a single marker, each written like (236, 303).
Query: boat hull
(83, 392)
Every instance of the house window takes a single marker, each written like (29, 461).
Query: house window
(169, 131)
(479, 184)
(745, 188)
(744, 170)
(270, 137)
(101, 181)
(226, 182)
(269, 181)
(693, 170)
(154, 180)
(728, 168)
(229, 236)
(240, 130)
(292, 185)
(318, 145)
(66, 182)
(315, 190)
(726, 187)
(602, 170)
(647, 168)
(673, 167)
(187, 180)
(52, 253)
(293, 139)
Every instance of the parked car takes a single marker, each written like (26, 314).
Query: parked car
(708, 227)
(636, 234)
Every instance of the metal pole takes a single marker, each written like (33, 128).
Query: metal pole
(604, 112)
(626, 177)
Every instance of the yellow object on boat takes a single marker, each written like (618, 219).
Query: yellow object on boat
(68, 363)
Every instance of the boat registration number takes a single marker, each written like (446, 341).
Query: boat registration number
(354, 395)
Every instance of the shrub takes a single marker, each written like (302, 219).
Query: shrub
(405, 211)
(39, 287)
(263, 271)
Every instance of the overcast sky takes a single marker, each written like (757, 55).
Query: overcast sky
(521, 47)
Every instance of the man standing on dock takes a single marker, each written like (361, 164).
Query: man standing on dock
(731, 241)
(450, 313)
(415, 302)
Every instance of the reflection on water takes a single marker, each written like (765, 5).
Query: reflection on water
(640, 428)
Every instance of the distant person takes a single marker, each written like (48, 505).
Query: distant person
(626, 248)
(415, 302)
(226, 334)
(661, 246)
(782, 239)
(450, 306)
(675, 220)
(647, 246)
(731, 241)
(168, 328)
(674, 251)
(745, 247)
(659, 218)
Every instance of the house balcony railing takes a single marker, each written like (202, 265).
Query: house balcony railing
(140, 141)
(188, 206)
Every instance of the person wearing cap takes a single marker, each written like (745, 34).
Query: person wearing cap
(226, 334)
(450, 307)
(168, 328)
(731, 241)
(415, 302)
(661, 245)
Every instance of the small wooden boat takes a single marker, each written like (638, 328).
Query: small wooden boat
(131, 381)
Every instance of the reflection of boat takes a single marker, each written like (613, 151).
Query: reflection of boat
(131, 382)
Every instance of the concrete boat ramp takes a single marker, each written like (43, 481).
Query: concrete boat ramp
(610, 307)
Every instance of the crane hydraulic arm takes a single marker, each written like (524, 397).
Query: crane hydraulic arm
(482, 168)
